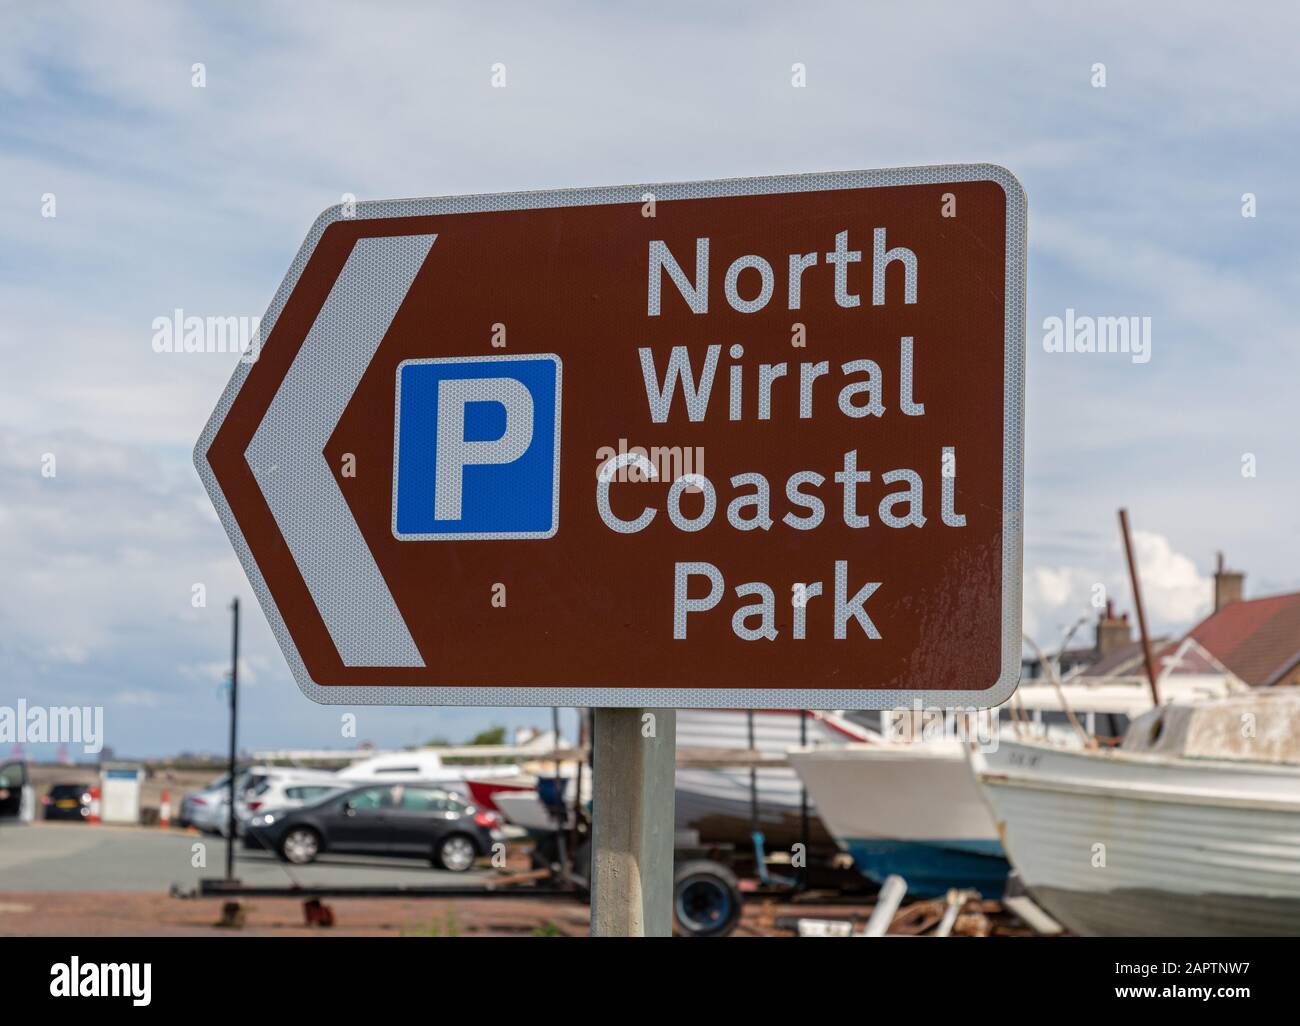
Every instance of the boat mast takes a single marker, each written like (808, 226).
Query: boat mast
(1137, 601)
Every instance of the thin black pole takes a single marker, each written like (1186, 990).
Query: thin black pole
(234, 719)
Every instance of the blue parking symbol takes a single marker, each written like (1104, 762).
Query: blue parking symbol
(477, 448)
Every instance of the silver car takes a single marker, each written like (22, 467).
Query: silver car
(206, 809)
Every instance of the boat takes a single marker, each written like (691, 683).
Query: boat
(726, 804)
(908, 805)
(717, 804)
(907, 808)
(519, 798)
(423, 765)
(484, 793)
(1190, 827)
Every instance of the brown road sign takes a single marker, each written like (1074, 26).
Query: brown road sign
(737, 443)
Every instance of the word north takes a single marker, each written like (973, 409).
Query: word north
(1074, 334)
(695, 289)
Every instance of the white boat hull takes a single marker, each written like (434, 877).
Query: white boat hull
(1120, 844)
(524, 809)
(910, 809)
(923, 791)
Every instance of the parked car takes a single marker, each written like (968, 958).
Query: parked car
(276, 794)
(13, 785)
(258, 778)
(206, 809)
(68, 801)
(404, 820)
(264, 787)
(286, 793)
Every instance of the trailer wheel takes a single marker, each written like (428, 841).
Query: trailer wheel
(706, 899)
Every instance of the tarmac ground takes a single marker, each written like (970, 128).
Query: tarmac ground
(76, 879)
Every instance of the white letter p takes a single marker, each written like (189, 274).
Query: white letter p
(454, 453)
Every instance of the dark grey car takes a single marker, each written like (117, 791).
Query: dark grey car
(404, 820)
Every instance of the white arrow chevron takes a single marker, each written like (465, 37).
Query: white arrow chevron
(286, 454)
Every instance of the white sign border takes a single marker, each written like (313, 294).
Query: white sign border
(692, 697)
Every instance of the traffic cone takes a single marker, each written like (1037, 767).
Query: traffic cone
(165, 811)
(94, 805)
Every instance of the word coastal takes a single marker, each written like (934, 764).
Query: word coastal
(690, 383)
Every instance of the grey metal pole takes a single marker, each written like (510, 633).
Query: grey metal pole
(234, 719)
(633, 787)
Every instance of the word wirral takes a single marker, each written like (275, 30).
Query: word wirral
(806, 399)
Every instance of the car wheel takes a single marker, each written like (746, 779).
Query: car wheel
(456, 853)
(300, 846)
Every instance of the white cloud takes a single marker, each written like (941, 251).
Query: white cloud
(1172, 588)
(1055, 598)
(1175, 593)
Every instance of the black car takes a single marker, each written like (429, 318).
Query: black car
(405, 820)
(68, 801)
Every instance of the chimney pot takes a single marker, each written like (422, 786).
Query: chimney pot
(1228, 584)
(1112, 632)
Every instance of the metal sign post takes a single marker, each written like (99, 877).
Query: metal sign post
(633, 782)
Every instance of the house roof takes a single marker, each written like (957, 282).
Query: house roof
(1257, 639)
(1125, 660)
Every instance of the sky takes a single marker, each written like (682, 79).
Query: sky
(167, 195)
